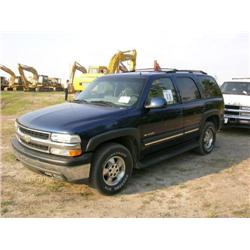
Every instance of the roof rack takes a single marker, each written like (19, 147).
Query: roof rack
(170, 70)
(191, 71)
(153, 70)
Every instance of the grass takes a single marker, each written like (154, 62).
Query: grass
(4, 210)
(86, 194)
(13, 103)
(8, 157)
(56, 186)
(243, 212)
(7, 203)
(212, 214)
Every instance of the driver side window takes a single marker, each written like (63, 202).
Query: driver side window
(163, 88)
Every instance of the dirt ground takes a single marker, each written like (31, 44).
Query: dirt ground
(190, 185)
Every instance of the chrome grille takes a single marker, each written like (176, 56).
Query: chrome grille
(232, 107)
(40, 140)
(237, 112)
(33, 145)
(34, 133)
(33, 139)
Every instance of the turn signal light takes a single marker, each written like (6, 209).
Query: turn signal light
(75, 152)
(66, 152)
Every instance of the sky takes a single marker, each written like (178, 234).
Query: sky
(183, 38)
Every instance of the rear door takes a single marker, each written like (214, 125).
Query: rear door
(192, 104)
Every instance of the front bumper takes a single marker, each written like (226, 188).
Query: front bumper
(64, 168)
(236, 121)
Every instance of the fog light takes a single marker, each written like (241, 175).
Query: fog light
(66, 152)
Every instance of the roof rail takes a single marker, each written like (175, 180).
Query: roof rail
(153, 70)
(191, 71)
(171, 70)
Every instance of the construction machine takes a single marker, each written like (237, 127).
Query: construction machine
(55, 83)
(36, 82)
(14, 82)
(116, 65)
(3, 82)
(76, 67)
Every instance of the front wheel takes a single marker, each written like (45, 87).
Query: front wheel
(111, 168)
(207, 139)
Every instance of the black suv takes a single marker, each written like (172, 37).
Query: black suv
(121, 122)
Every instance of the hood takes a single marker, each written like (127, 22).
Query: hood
(237, 100)
(69, 117)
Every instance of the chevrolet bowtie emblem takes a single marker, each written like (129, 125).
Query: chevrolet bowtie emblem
(27, 138)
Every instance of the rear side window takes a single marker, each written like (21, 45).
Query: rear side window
(188, 89)
(210, 87)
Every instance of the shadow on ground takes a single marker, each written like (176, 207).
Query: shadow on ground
(190, 165)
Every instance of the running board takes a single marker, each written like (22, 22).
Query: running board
(165, 154)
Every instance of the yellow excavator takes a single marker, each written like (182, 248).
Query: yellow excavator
(76, 67)
(14, 82)
(36, 82)
(116, 65)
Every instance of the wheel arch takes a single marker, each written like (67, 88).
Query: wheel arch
(128, 137)
(212, 116)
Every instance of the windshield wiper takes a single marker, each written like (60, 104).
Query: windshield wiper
(104, 103)
(80, 101)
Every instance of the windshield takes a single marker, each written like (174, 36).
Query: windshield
(117, 91)
(236, 88)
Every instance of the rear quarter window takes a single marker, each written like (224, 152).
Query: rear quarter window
(210, 87)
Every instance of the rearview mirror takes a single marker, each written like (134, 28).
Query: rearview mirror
(156, 103)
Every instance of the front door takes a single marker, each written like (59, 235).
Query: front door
(164, 126)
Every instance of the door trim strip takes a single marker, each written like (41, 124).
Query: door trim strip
(191, 131)
(170, 137)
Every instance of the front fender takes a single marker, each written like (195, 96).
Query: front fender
(94, 142)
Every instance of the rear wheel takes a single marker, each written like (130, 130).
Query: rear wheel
(111, 168)
(207, 139)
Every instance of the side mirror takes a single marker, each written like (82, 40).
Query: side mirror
(156, 103)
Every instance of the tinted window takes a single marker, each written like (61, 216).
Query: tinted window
(188, 89)
(164, 88)
(210, 87)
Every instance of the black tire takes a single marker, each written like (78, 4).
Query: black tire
(107, 173)
(206, 147)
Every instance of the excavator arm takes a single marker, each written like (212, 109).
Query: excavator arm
(22, 68)
(116, 63)
(76, 66)
(11, 73)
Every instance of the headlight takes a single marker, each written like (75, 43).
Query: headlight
(65, 138)
(66, 152)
